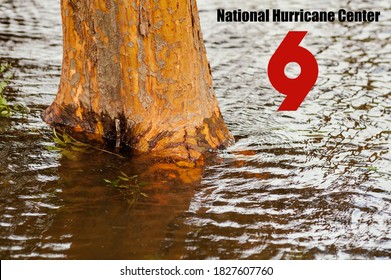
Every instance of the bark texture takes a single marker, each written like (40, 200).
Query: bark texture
(136, 70)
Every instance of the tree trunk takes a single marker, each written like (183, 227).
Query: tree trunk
(136, 71)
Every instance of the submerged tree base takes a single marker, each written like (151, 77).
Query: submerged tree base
(180, 143)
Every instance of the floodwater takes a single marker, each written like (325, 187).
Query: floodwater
(311, 184)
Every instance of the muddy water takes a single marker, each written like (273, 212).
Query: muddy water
(311, 184)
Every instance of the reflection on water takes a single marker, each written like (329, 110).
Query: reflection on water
(309, 184)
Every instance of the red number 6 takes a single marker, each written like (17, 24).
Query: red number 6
(295, 89)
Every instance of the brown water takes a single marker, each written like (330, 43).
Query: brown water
(311, 184)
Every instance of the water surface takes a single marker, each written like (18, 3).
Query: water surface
(311, 184)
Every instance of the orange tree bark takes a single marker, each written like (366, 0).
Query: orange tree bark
(136, 70)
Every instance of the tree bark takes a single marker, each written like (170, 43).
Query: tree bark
(136, 71)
